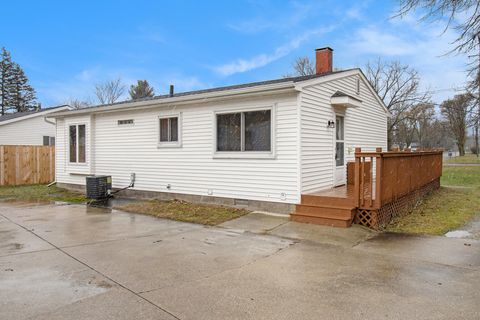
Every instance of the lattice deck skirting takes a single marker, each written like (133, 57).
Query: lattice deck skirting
(379, 218)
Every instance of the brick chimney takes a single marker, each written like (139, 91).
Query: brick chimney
(324, 60)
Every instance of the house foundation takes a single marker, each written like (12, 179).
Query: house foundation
(254, 205)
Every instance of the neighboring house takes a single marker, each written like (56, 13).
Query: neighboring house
(29, 128)
(261, 144)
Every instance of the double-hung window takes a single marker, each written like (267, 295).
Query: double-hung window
(77, 146)
(169, 131)
(249, 131)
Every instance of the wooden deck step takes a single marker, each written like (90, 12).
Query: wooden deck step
(320, 221)
(337, 216)
(315, 200)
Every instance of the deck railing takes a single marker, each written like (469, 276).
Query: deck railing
(393, 174)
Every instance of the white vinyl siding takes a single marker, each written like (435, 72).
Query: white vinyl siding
(193, 168)
(302, 146)
(365, 127)
(26, 132)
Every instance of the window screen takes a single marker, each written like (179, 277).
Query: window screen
(73, 143)
(81, 143)
(257, 131)
(245, 131)
(229, 132)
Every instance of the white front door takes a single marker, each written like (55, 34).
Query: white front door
(339, 160)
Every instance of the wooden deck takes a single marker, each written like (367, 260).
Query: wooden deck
(376, 179)
(345, 191)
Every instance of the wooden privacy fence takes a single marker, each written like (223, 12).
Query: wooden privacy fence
(396, 181)
(26, 165)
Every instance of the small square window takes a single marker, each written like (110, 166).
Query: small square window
(169, 129)
(48, 141)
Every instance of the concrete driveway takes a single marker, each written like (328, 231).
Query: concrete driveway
(74, 262)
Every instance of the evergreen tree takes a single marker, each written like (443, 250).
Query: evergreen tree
(6, 75)
(141, 90)
(15, 92)
(23, 95)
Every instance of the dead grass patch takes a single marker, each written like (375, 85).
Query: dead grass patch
(40, 193)
(184, 211)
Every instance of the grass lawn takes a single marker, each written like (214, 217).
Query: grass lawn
(40, 193)
(183, 211)
(468, 158)
(456, 203)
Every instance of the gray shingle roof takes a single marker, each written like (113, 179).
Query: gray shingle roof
(10, 116)
(225, 88)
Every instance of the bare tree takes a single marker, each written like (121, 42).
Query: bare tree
(464, 17)
(456, 113)
(78, 104)
(404, 134)
(474, 90)
(439, 136)
(399, 87)
(303, 66)
(110, 91)
(424, 115)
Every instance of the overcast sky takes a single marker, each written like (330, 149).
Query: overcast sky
(66, 48)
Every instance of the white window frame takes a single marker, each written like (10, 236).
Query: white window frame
(76, 162)
(170, 144)
(246, 154)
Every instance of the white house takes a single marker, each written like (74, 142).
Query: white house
(29, 128)
(261, 144)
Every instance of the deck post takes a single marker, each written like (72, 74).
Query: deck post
(378, 178)
(356, 186)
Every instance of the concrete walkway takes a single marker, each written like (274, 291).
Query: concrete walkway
(74, 262)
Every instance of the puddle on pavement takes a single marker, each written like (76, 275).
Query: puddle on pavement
(110, 202)
(65, 286)
(104, 206)
(97, 210)
(107, 205)
(458, 234)
(21, 203)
